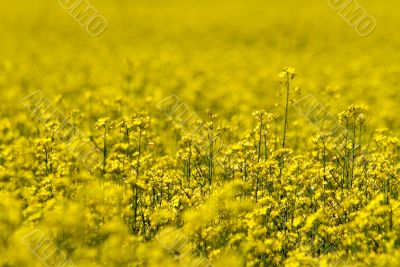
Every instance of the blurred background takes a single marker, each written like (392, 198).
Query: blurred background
(219, 55)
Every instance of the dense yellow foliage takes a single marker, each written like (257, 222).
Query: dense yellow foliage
(178, 137)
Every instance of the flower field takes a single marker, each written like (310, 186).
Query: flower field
(199, 133)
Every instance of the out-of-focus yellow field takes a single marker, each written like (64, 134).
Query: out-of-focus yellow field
(199, 133)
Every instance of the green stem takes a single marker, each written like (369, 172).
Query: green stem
(286, 110)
